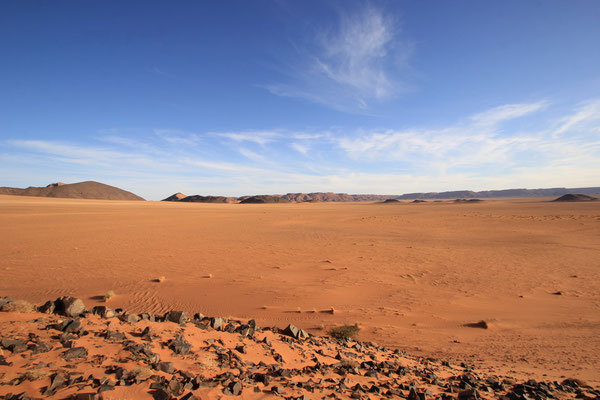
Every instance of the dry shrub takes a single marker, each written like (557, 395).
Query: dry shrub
(344, 332)
(109, 295)
(19, 306)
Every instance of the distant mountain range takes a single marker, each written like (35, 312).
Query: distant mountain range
(81, 190)
(344, 197)
(101, 191)
(468, 194)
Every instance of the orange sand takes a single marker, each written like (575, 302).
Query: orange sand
(410, 274)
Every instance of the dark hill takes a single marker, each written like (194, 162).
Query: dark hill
(175, 197)
(263, 199)
(205, 199)
(575, 197)
(81, 190)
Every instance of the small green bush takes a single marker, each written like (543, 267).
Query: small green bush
(344, 332)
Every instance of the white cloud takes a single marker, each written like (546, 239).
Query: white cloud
(588, 112)
(177, 137)
(506, 112)
(481, 142)
(258, 137)
(465, 155)
(350, 66)
(251, 155)
(300, 148)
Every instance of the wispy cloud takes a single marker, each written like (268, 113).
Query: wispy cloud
(251, 155)
(177, 137)
(588, 112)
(506, 112)
(258, 137)
(480, 152)
(350, 66)
(300, 148)
(481, 142)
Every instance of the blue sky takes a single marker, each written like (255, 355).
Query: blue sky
(238, 97)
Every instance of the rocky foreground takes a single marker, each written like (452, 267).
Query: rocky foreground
(63, 351)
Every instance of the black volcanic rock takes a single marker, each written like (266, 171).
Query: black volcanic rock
(575, 197)
(263, 199)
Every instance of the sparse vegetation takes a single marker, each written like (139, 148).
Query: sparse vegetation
(19, 306)
(344, 332)
(109, 295)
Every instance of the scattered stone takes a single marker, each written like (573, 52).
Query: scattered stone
(103, 312)
(76, 352)
(69, 306)
(180, 345)
(115, 336)
(14, 345)
(178, 317)
(129, 318)
(166, 367)
(41, 347)
(84, 396)
(294, 332)
(233, 389)
(47, 308)
(468, 394)
(217, 323)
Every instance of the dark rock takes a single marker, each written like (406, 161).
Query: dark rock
(47, 308)
(70, 325)
(217, 323)
(294, 332)
(84, 396)
(166, 367)
(277, 390)
(233, 389)
(14, 345)
(104, 388)
(129, 318)
(468, 394)
(198, 316)
(41, 347)
(180, 345)
(103, 312)
(189, 396)
(178, 317)
(161, 394)
(76, 352)
(241, 349)
(69, 306)
(58, 381)
(115, 336)
(147, 333)
(175, 387)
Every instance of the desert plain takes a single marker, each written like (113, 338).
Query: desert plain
(410, 275)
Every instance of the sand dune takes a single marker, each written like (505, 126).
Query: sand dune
(411, 275)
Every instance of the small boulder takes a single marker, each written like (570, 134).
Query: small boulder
(178, 317)
(180, 345)
(76, 352)
(69, 306)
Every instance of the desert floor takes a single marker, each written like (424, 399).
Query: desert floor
(411, 275)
